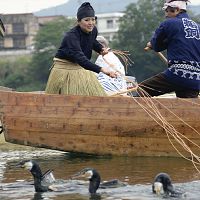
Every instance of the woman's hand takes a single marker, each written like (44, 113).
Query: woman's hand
(112, 74)
(104, 51)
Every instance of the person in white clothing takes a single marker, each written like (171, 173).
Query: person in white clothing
(112, 62)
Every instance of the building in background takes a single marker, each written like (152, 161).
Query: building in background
(108, 24)
(45, 19)
(20, 32)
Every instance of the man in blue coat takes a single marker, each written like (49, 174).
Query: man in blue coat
(180, 36)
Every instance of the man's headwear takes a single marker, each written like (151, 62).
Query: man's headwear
(176, 4)
(2, 28)
(85, 10)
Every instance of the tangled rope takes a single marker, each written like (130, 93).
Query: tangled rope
(150, 108)
(125, 56)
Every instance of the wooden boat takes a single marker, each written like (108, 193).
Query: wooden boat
(96, 125)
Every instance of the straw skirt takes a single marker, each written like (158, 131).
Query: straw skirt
(71, 79)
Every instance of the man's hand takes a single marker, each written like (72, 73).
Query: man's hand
(149, 45)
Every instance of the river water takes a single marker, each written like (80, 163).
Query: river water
(138, 174)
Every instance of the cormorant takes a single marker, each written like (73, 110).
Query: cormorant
(95, 180)
(162, 184)
(42, 182)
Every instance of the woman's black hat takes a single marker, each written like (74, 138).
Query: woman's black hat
(85, 10)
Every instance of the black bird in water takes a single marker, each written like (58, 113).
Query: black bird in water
(95, 180)
(162, 184)
(42, 182)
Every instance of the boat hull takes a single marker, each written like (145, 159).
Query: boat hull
(97, 125)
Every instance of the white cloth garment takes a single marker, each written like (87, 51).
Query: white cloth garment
(112, 62)
(176, 4)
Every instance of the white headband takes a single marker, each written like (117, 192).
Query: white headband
(176, 4)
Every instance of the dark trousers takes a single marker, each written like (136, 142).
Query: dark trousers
(158, 85)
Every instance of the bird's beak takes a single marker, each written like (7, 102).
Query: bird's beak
(77, 175)
(158, 187)
(19, 165)
(157, 190)
(27, 165)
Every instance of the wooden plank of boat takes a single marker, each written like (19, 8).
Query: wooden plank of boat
(95, 125)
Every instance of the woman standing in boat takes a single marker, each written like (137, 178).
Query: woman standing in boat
(72, 71)
(181, 37)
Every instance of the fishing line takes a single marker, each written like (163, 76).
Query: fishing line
(151, 109)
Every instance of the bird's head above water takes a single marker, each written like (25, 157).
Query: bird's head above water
(162, 184)
(92, 175)
(88, 173)
(158, 188)
(32, 166)
(27, 164)
(42, 182)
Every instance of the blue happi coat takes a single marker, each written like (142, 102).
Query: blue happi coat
(181, 37)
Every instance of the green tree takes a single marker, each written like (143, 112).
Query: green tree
(47, 41)
(136, 28)
(14, 72)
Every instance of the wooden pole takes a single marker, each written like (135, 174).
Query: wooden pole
(162, 57)
(125, 91)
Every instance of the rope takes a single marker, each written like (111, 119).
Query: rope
(124, 55)
(170, 131)
(150, 108)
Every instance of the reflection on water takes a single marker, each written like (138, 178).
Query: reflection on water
(137, 172)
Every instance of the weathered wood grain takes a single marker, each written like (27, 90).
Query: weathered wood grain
(97, 125)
